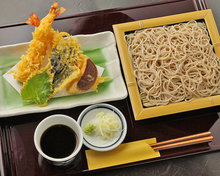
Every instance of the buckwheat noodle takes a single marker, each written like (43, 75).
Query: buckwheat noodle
(174, 63)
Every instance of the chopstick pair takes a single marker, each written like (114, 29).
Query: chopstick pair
(183, 141)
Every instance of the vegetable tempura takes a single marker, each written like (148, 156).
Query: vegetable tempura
(53, 62)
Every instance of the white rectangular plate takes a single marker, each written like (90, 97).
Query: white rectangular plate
(100, 47)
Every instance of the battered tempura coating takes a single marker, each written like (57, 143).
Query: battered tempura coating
(54, 62)
(44, 39)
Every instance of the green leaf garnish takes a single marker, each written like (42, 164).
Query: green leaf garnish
(38, 89)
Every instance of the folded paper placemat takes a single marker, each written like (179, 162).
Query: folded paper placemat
(124, 153)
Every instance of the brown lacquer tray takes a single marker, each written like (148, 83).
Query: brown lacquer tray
(18, 154)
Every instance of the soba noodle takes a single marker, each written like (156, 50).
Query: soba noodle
(174, 63)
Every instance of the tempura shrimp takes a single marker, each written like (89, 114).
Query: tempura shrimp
(44, 39)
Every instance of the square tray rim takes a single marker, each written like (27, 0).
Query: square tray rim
(144, 113)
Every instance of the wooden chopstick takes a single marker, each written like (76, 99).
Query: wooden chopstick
(183, 141)
(195, 136)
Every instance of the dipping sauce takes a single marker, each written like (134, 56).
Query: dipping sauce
(58, 141)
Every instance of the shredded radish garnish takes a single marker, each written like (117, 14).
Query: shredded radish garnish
(106, 125)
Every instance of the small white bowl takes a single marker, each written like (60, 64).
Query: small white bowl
(95, 142)
(58, 119)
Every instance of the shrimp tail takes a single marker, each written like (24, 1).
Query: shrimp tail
(33, 20)
(59, 11)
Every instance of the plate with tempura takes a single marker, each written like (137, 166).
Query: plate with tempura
(57, 71)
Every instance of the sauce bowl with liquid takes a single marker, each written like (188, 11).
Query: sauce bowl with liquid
(58, 138)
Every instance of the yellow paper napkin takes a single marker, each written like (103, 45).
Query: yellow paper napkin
(124, 153)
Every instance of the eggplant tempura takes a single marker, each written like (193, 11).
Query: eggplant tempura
(54, 61)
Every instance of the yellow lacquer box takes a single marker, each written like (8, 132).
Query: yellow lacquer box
(139, 111)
